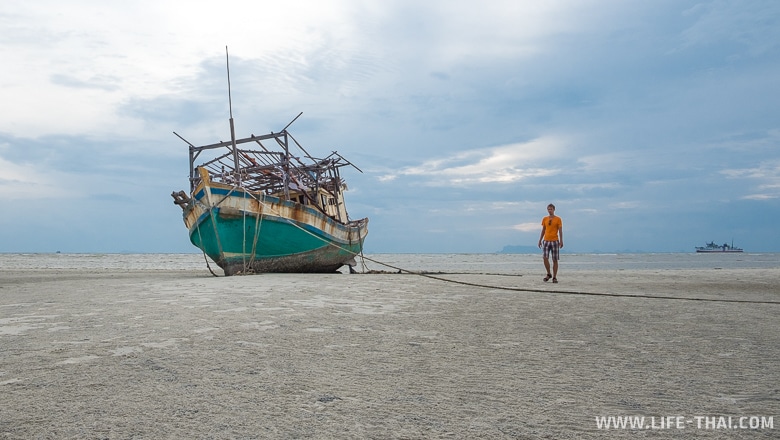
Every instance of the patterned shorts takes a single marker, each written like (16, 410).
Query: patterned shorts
(550, 247)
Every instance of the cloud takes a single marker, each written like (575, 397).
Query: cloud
(29, 181)
(498, 165)
(766, 178)
(93, 82)
(527, 227)
(724, 24)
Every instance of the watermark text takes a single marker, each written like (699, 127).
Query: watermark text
(683, 422)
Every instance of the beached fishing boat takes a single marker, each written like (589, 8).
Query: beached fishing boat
(259, 210)
(711, 247)
(254, 207)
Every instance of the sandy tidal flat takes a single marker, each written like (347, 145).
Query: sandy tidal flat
(180, 354)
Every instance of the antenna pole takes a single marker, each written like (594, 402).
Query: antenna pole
(291, 122)
(232, 127)
(230, 98)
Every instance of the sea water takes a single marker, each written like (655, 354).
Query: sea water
(450, 263)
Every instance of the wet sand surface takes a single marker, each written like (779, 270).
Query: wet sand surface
(181, 354)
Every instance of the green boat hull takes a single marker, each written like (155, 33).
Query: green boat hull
(245, 241)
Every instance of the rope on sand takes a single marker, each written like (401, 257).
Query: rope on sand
(514, 289)
(569, 292)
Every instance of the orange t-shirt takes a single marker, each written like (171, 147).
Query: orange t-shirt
(551, 227)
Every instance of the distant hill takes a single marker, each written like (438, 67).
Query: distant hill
(519, 250)
(533, 250)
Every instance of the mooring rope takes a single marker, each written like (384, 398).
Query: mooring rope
(200, 238)
(514, 289)
(569, 292)
(258, 224)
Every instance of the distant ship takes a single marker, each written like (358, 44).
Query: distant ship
(712, 248)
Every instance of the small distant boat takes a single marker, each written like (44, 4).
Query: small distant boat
(711, 247)
(254, 207)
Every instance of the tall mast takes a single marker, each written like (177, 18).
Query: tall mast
(232, 127)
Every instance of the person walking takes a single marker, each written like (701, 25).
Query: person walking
(551, 241)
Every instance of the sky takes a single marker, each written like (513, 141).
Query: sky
(652, 126)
